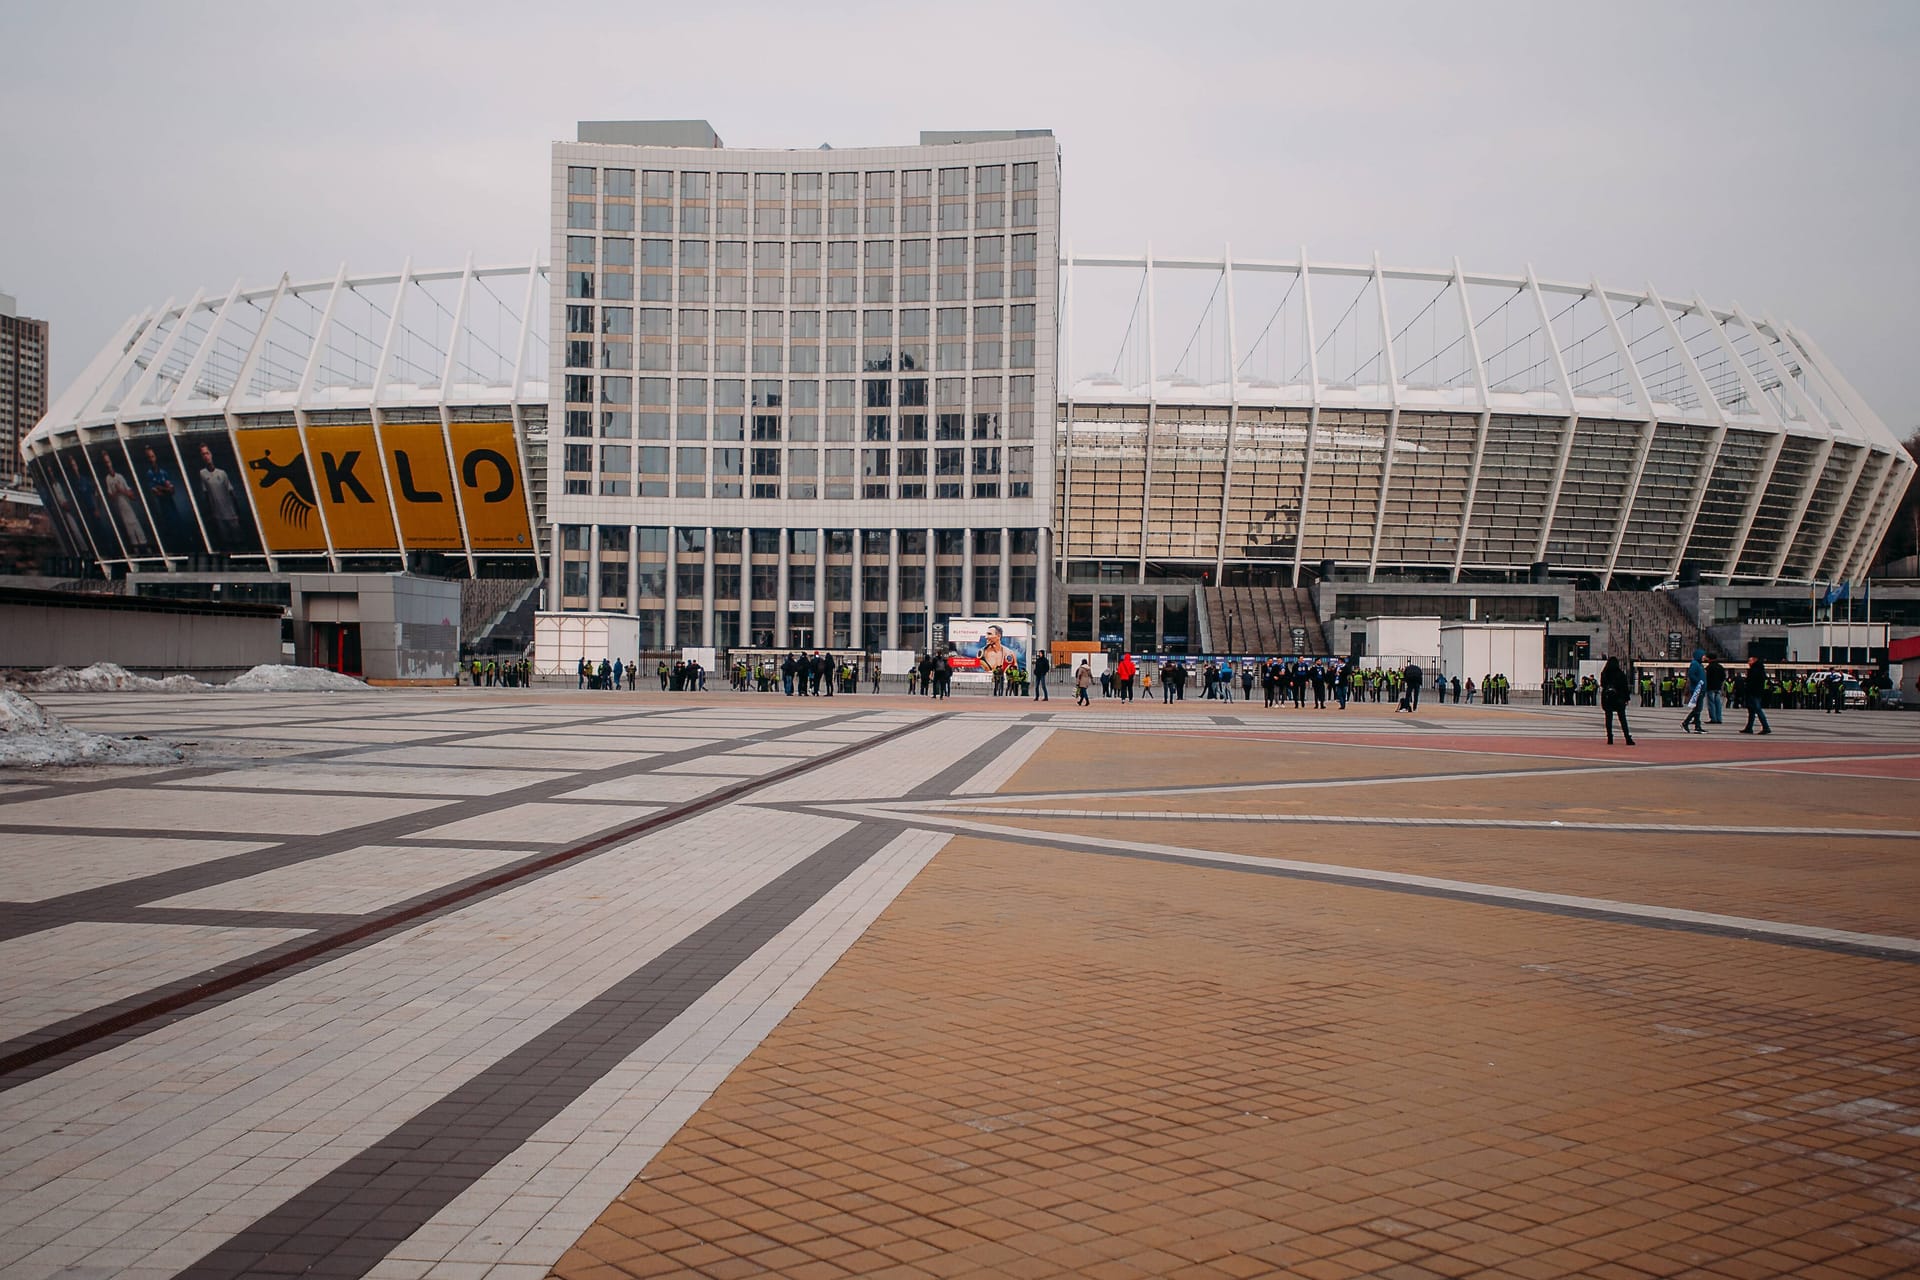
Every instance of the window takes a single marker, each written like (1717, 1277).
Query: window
(617, 285)
(619, 217)
(579, 319)
(769, 187)
(579, 284)
(656, 184)
(733, 186)
(616, 251)
(580, 181)
(580, 250)
(840, 186)
(620, 183)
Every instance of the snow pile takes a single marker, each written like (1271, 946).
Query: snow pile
(274, 678)
(32, 737)
(108, 677)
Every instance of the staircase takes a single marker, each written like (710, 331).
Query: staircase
(489, 605)
(1263, 619)
(1648, 617)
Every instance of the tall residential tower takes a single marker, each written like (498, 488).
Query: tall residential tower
(23, 385)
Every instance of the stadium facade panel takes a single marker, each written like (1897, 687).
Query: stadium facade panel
(1446, 425)
(360, 423)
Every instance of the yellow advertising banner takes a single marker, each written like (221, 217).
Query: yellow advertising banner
(282, 488)
(423, 486)
(491, 492)
(347, 459)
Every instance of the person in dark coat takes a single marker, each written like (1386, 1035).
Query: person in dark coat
(1616, 690)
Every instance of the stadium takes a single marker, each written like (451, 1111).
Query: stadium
(1212, 453)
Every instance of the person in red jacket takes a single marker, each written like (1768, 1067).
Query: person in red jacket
(1126, 671)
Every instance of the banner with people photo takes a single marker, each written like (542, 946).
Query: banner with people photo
(977, 647)
(217, 484)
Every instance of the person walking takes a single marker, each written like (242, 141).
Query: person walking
(1412, 676)
(1126, 671)
(1756, 688)
(1616, 690)
(1041, 666)
(1716, 685)
(1083, 681)
(1696, 692)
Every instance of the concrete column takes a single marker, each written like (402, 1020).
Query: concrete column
(821, 638)
(1006, 572)
(671, 625)
(856, 606)
(780, 636)
(966, 572)
(593, 568)
(706, 595)
(893, 588)
(930, 587)
(633, 570)
(1043, 588)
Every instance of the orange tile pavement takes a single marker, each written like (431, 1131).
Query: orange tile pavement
(1048, 1062)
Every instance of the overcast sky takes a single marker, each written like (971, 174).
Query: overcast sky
(1758, 152)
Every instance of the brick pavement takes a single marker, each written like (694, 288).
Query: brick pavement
(507, 984)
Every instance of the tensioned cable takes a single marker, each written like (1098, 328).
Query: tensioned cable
(1270, 321)
(1358, 294)
(1194, 337)
(1125, 337)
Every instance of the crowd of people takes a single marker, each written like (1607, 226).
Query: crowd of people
(510, 673)
(1282, 682)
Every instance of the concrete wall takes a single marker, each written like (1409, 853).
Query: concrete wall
(149, 637)
(409, 627)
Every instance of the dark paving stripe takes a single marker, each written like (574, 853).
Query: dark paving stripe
(1014, 835)
(1235, 721)
(137, 833)
(393, 1188)
(950, 779)
(230, 918)
(48, 1049)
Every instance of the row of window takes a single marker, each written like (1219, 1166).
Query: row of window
(770, 428)
(874, 257)
(772, 395)
(693, 539)
(762, 583)
(879, 184)
(806, 326)
(803, 291)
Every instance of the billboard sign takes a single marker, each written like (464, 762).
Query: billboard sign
(978, 647)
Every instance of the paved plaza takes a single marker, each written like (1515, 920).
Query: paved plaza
(487, 983)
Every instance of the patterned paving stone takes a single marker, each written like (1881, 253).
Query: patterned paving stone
(157, 810)
(39, 865)
(1240, 993)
